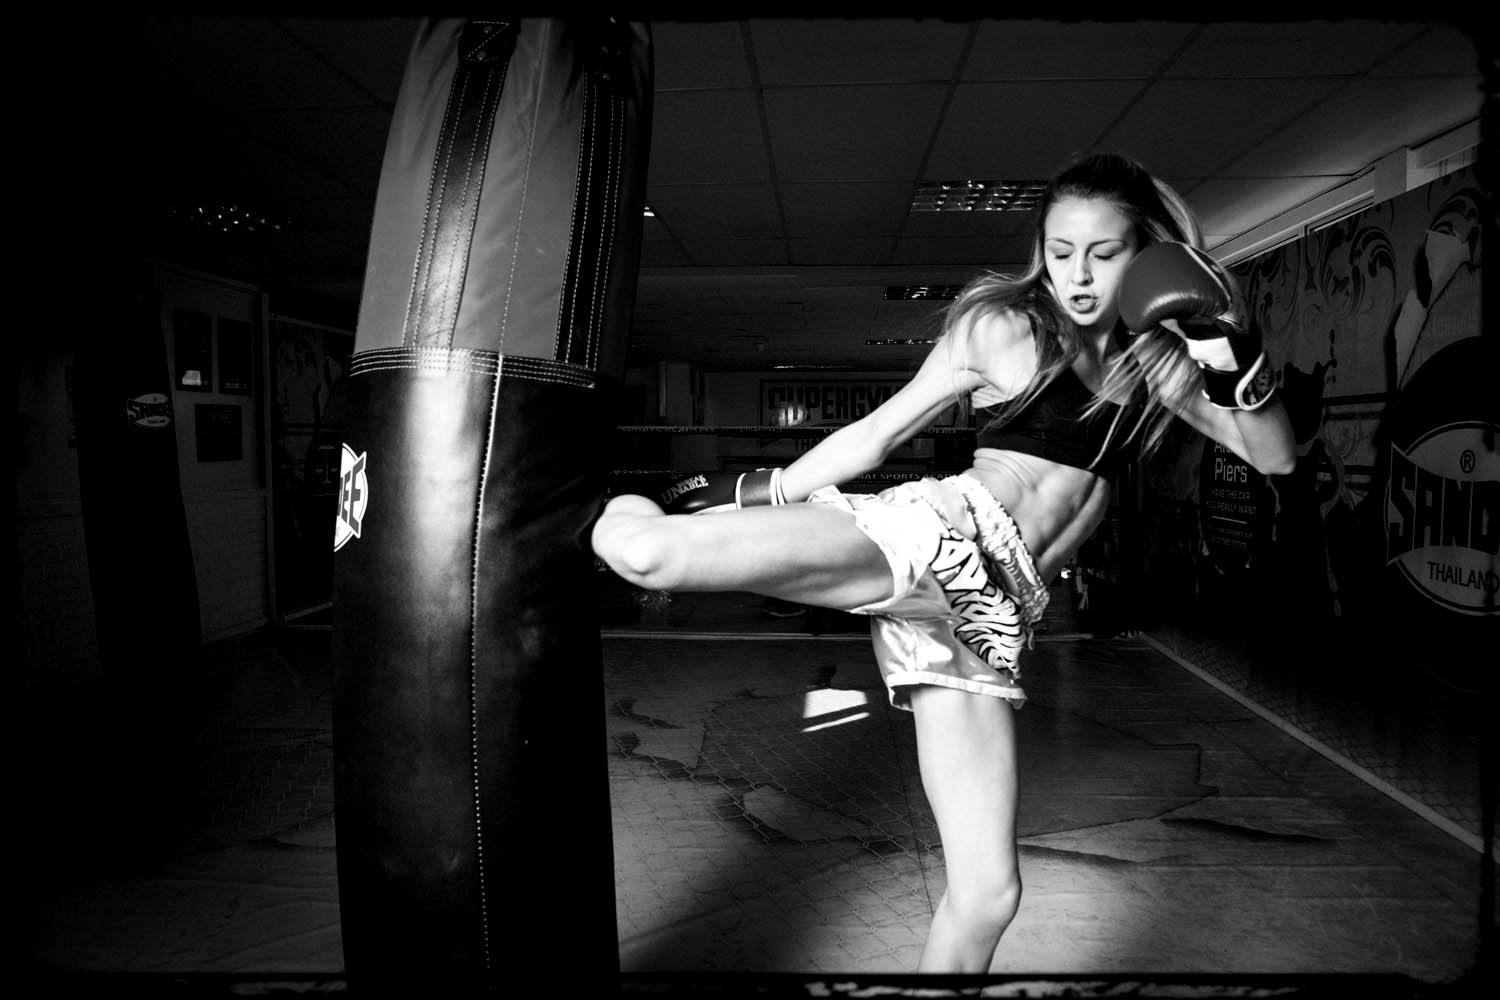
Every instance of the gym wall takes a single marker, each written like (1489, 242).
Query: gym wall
(211, 333)
(1354, 599)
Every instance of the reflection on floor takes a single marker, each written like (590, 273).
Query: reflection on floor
(768, 817)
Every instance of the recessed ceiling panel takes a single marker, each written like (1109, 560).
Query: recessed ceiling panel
(705, 252)
(793, 52)
(976, 250)
(817, 209)
(699, 55)
(1244, 49)
(989, 224)
(344, 144)
(370, 51)
(663, 253)
(707, 137)
(1439, 50)
(1072, 50)
(1197, 126)
(851, 133)
(245, 62)
(1024, 129)
(821, 252)
(721, 211)
(1361, 123)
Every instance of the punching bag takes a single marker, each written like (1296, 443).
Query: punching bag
(472, 809)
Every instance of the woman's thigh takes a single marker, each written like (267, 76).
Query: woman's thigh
(811, 553)
(966, 748)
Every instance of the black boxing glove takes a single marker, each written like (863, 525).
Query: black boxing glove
(1183, 289)
(711, 492)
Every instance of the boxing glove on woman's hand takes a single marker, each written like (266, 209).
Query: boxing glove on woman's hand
(1183, 289)
(710, 492)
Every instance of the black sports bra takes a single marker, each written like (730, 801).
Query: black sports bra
(1052, 426)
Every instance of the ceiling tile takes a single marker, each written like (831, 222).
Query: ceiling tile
(920, 318)
(851, 133)
(346, 144)
(849, 209)
(1072, 50)
(334, 215)
(1277, 49)
(976, 250)
(791, 52)
(1227, 116)
(663, 253)
(1440, 50)
(707, 137)
(720, 211)
(817, 252)
(1361, 123)
(699, 55)
(991, 224)
(706, 252)
(1022, 130)
(221, 61)
(370, 51)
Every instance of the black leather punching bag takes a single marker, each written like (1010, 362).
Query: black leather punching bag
(472, 803)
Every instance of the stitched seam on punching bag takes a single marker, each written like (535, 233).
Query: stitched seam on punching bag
(426, 359)
(419, 264)
(489, 444)
(591, 241)
(461, 236)
(471, 362)
(466, 131)
(613, 184)
(562, 339)
(515, 250)
(605, 225)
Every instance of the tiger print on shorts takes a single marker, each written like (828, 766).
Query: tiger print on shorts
(990, 623)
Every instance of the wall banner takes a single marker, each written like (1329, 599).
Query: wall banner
(1236, 506)
(1442, 495)
(815, 402)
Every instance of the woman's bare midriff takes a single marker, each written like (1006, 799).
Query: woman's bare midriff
(1056, 507)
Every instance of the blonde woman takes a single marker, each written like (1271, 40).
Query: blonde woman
(1065, 365)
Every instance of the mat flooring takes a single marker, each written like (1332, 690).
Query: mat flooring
(767, 817)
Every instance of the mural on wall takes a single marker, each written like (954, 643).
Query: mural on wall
(1390, 514)
(308, 366)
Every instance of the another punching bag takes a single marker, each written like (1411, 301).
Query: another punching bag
(472, 808)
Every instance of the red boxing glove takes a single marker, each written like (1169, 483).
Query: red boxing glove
(1180, 287)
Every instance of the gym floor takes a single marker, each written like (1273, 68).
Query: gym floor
(768, 818)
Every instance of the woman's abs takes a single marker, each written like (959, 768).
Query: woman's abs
(1056, 507)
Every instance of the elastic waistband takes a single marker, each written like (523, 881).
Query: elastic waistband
(1002, 544)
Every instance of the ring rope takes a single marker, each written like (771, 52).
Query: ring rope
(798, 430)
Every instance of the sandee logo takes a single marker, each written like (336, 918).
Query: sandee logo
(151, 409)
(1443, 516)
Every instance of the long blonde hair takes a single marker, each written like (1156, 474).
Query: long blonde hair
(1154, 369)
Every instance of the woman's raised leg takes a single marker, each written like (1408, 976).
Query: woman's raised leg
(966, 749)
(811, 553)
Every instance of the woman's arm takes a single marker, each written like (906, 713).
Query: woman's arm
(1263, 436)
(1185, 291)
(951, 369)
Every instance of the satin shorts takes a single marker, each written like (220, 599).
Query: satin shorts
(935, 534)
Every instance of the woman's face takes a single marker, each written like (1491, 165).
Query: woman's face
(1086, 243)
